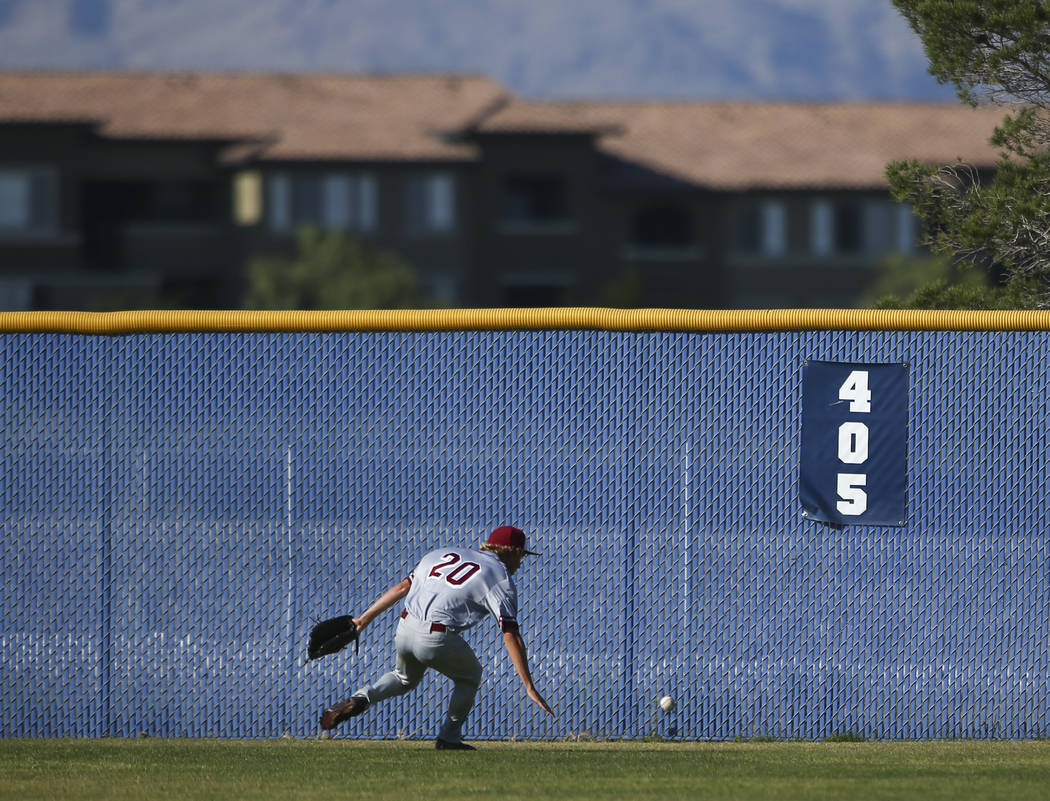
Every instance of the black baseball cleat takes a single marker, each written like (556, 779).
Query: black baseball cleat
(351, 707)
(448, 745)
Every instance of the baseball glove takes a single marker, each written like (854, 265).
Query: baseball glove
(332, 635)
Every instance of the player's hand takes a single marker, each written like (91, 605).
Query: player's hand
(535, 696)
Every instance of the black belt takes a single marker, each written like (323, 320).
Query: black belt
(433, 626)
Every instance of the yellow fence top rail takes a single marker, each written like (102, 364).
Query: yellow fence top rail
(675, 320)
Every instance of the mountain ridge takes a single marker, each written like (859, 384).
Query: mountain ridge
(761, 50)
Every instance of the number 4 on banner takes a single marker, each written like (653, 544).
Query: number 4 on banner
(855, 390)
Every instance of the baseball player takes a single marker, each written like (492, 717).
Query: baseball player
(449, 591)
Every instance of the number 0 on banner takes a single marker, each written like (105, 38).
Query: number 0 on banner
(853, 465)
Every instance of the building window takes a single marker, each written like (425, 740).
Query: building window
(822, 228)
(308, 204)
(534, 199)
(853, 227)
(907, 229)
(877, 225)
(279, 201)
(28, 200)
(15, 206)
(430, 203)
(849, 227)
(332, 200)
(247, 197)
(662, 233)
(662, 227)
(761, 229)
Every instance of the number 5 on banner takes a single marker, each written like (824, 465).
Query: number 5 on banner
(854, 499)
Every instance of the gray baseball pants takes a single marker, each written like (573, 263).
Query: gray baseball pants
(418, 648)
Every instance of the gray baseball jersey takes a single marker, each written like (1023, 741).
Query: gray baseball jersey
(458, 587)
(451, 590)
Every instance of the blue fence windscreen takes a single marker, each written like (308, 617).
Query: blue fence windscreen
(177, 509)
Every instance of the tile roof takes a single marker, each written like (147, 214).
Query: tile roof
(302, 116)
(740, 146)
(725, 146)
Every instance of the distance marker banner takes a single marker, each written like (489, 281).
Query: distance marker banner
(854, 450)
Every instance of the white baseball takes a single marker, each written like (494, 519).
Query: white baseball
(667, 703)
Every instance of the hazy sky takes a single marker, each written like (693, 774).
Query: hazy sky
(733, 49)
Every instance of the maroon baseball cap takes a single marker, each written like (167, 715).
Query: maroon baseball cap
(510, 537)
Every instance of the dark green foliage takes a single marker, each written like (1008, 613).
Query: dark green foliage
(624, 291)
(993, 51)
(331, 271)
(991, 48)
(970, 297)
(936, 282)
(899, 277)
(846, 737)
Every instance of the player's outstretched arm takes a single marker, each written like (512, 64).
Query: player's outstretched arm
(516, 650)
(383, 602)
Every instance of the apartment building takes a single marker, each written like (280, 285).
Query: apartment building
(134, 189)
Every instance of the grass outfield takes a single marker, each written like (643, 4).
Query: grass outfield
(309, 769)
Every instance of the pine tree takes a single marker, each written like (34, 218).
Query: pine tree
(993, 51)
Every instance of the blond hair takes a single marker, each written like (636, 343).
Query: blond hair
(501, 550)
